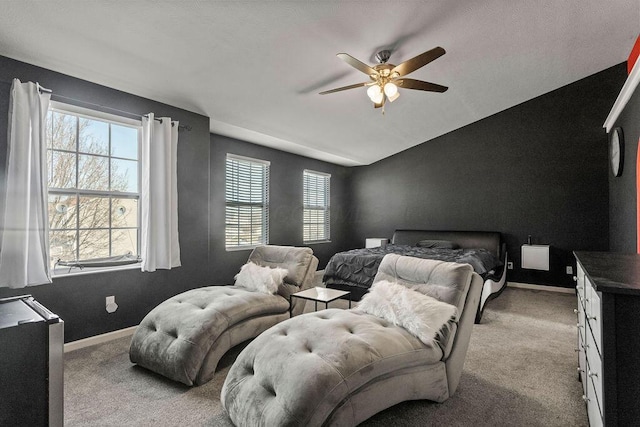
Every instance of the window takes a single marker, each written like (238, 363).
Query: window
(247, 202)
(93, 181)
(316, 223)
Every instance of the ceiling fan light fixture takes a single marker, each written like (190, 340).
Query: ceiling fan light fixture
(377, 99)
(390, 89)
(374, 92)
(386, 78)
(394, 96)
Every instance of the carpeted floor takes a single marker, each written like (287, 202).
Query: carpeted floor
(520, 370)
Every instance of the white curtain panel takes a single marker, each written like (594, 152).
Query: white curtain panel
(24, 243)
(159, 247)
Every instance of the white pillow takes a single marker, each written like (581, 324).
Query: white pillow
(262, 279)
(421, 315)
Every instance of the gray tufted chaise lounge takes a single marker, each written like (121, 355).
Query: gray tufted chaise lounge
(184, 337)
(340, 367)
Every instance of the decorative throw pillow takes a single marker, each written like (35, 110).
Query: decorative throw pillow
(421, 315)
(437, 244)
(262, 279)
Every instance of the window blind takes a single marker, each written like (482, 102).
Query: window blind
(247, 202)
(316, 218)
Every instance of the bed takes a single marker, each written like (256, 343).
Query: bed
(354, 270)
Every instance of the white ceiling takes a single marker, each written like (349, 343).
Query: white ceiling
(256, 67)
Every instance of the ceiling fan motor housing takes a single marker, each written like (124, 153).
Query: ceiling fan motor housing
(383, 56)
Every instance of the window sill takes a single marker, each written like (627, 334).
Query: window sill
(315, 242)
(75, 271)
(243, 248)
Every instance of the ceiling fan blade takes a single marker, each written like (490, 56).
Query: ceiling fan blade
(420, 85)
(358, 65)
(339, 89)
(410, 65)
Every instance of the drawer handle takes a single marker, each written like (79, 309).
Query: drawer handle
(585, 398)
(575, 310)
(592, 374)
(592, 318)
(576, 350)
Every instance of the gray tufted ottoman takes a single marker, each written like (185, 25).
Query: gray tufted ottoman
(339, 367)
(184, 337)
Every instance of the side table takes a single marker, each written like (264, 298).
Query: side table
(319, 294)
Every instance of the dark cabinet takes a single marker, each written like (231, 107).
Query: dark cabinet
(31, 364)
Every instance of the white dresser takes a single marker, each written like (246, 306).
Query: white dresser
(589, 348)
(608, 324)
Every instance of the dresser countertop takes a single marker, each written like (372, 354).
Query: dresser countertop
(612, 272)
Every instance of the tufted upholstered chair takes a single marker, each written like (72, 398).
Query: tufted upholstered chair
(185, 336)
(340, 367)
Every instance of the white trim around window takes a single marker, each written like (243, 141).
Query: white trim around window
(85, 204)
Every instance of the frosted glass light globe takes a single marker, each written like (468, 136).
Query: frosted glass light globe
(374, 92)
(390, 89)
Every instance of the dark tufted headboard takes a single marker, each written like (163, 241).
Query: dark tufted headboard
(489, 240)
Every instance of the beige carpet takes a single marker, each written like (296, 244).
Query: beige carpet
(520, 370)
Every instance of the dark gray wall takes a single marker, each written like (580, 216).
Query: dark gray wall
(80, 300)
(622, 190)
(539, 168)
(285, 203)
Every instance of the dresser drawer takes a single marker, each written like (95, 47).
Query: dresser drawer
(580, 318)
(580, 285)
(582, 362)
(593, 314)
(593, 408)
(594, 372)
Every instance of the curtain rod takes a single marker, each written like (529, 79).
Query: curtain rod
(55, 95)
(138, 116)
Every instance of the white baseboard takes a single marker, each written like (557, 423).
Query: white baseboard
(99, 339)
(541, 287)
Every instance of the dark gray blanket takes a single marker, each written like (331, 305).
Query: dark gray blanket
(358, 267)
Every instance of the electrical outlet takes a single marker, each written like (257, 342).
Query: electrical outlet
(510, 265)
(569, 269)
(110, 304)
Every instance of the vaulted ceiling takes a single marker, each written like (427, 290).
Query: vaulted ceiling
(256, 67)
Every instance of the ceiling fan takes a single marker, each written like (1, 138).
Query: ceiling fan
(387, 78)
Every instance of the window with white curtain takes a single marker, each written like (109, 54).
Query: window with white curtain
(247, 202)
(316, 215)
(93, 183)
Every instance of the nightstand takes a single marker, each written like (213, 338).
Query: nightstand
(374, 242)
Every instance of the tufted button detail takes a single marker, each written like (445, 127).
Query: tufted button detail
(269, 388)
